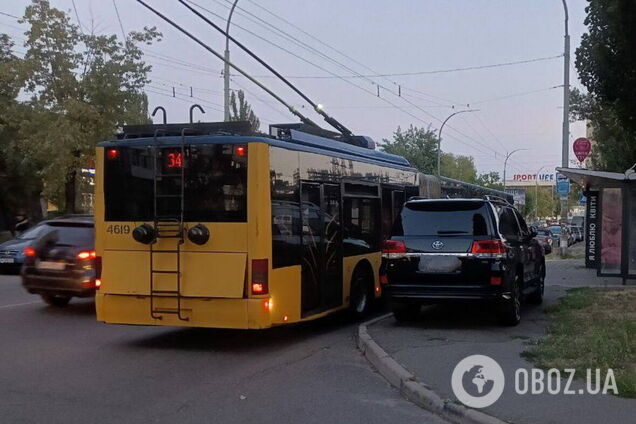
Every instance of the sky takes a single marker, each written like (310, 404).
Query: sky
(319, 43)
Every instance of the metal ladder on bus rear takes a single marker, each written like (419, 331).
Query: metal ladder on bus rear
(168, 227)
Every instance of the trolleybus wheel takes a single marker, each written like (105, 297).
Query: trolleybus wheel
(361, 299)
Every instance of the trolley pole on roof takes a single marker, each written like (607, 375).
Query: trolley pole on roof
(226, 70)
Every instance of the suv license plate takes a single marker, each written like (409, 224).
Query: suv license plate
(56, 266)
(440, 264)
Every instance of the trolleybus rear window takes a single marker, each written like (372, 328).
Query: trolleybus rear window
(214, 176)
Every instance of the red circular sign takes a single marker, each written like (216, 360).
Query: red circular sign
(582, 148)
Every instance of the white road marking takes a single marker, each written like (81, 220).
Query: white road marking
(18, 304)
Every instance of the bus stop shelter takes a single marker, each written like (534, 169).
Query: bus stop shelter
(610, 220)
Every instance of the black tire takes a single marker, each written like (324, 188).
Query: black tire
(59, 301)
(404, 311)
(536, 297)
(361, 296)
(510, 312)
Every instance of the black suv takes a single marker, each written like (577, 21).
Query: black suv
(462, 249)
(61, 263)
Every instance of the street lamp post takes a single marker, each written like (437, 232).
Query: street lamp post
(536, 193)
(439, 137)
(506, 164)
(226, 69)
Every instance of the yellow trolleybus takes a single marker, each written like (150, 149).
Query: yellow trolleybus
(208, 225)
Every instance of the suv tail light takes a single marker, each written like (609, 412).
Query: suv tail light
(488, 248)
(393, 249)
(29, 252)
(260, 274)
(86, 255)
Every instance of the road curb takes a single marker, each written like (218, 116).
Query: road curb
(411, 389)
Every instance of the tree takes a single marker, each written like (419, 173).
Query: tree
(242, 111)
(20, 185)
(417, 145)
(607, 68)
(459, 167)
(491, 180)
(82, 87)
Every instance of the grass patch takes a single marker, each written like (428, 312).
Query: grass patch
(592, 328)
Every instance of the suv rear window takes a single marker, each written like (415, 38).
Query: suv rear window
(215, 178)
(443, 218)
(72, 234)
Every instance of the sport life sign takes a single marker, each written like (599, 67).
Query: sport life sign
(582, 148)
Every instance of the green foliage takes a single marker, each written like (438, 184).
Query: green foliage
(20, 185)
(491, 180)
(607, 68)
(82, 88)
(545, 206)
(242, 111)
(417, 145)
(459, 167)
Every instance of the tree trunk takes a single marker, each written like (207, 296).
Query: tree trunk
(69, 192)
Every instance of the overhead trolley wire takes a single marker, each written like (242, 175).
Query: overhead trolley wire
(214, 52)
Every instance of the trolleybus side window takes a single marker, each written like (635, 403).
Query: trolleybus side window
(361, 220)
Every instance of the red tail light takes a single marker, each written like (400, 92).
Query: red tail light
(29, 252)
(393, 246)
(260, 276)
(495, 281)
(488, 247)
(384, 279)
(85, 255)
(112, 153)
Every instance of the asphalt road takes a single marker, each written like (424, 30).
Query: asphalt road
(60, 365)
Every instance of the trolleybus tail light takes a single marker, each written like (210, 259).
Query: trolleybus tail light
(98, 284)
(260, 271)
(488, 248)
(29, 252)
(240, 150)
(112, 153)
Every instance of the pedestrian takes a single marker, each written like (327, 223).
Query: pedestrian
(22, 223)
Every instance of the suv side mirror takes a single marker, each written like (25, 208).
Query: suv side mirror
(533, 232)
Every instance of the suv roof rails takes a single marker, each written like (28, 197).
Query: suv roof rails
(492, 198)
(417, 198)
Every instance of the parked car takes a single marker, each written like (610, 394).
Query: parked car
(462, 250)
(11, 251)
(61, 263)
(556, 231)
(577, 232)
(544, 237)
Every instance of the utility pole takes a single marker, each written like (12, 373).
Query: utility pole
(439, 137)
(226, 68)
(565, 162)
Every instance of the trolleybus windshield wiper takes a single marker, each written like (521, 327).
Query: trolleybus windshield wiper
(302, 117)
(330, 120)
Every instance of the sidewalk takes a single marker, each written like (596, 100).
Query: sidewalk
(432, 346)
